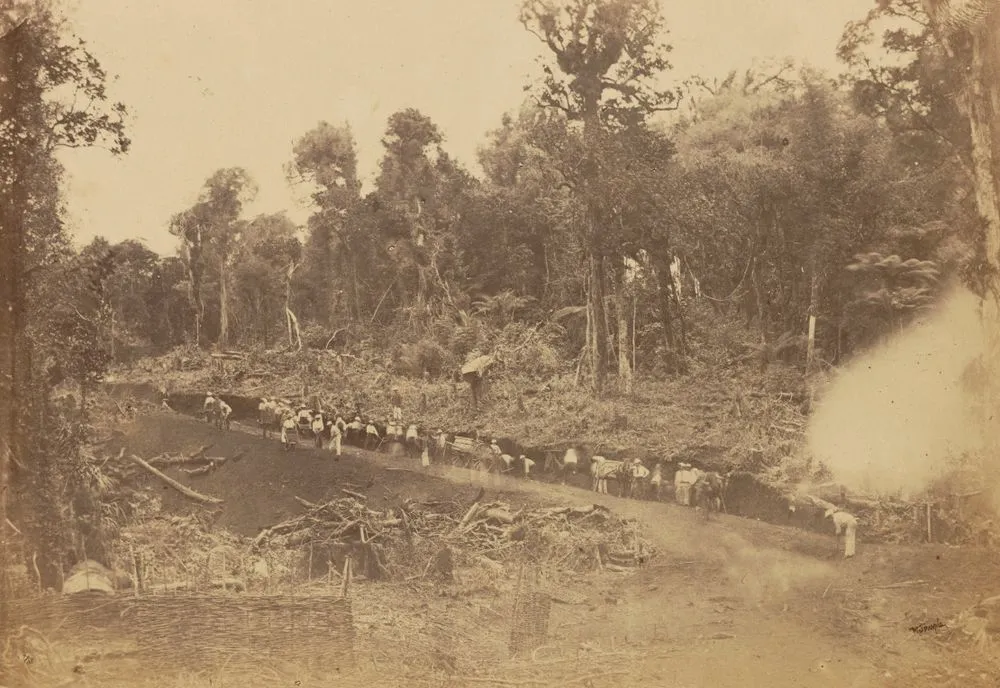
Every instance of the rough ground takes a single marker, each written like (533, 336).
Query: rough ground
(730, 602)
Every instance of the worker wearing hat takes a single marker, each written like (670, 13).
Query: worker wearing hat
(317, 426)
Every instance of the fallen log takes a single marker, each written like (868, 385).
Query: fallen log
(213, 463)
(288, 526)
(200, 452)
(498, 514)
(306, 504)
(186, 491)
(356, 495)
(467, 518)
(200, 471)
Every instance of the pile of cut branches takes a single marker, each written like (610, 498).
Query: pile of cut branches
(490, 530)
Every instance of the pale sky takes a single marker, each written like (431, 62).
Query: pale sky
(223, 83)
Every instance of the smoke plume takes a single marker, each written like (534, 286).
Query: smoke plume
(892, 420)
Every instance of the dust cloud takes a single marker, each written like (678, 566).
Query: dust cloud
(891, 421)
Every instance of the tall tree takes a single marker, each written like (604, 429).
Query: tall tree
(969, 30)
(418, 180)
(326, 159)
(269, 247)
(210, 231)
(39, 65)
(609, 54)
(954, 69)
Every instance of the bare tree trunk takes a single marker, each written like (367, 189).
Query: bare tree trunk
(666, 319)
(624, 366)
(813, 311)
(223, 305)
(635, 308)
(682, 335)
(598, 323)
(970, 33)
(294, 336)
(587, 334)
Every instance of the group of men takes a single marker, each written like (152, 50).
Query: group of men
(216, 411)
(331, 430)
(692, 486)
(506, 463)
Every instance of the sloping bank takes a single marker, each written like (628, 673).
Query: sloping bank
(748, 495)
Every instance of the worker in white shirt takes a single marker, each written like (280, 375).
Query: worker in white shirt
(336, 436)
(570, 463)
(317, 430)
(683, 480)
(371, 436)
(209, 407)
(526, 463)
(599, 481)
(848, 525)
(224, 411)
(656, 480)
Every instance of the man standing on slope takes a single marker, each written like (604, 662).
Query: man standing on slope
(263, 415)
(317, 430)
(287, 428)
(224, 410)
(397, 405)
(209, 407)
(846, 523)
(683, 480)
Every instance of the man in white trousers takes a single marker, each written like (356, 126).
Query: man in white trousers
(846, 523)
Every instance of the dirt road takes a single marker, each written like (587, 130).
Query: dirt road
(726, 603)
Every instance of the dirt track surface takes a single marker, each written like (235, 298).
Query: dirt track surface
(726, 603)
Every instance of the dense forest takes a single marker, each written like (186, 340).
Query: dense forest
(611, 218)
(778, 194)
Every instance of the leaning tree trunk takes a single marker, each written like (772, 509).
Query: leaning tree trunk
(294, 335)
(970, 32)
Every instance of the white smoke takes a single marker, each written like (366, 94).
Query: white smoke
(891, 421)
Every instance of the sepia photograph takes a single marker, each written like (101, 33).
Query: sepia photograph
(500, 343)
